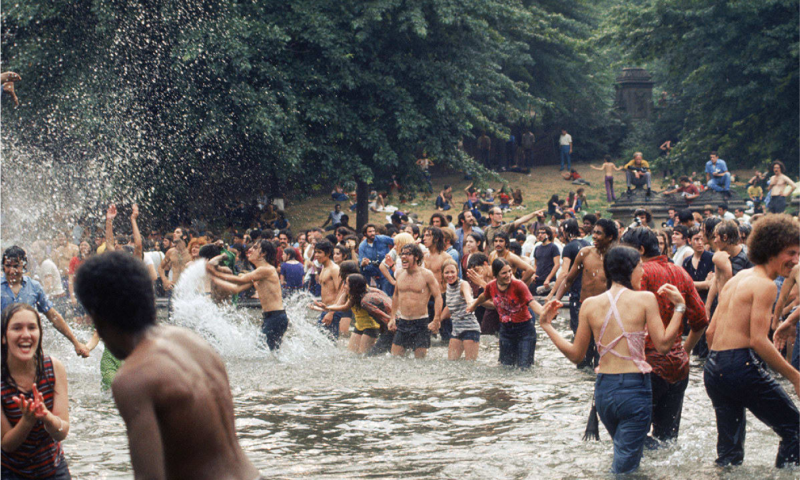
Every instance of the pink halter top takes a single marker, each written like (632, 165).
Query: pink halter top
(635, 339)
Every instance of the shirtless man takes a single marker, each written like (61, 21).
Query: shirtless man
(433, 239)
(415, 285)
(589, 265)
(500, 243)
(172, 391)
(735, 376)
(778, 188)
(175, 260)
(267, 283)
(729, 258)
(330, 282)
(63, 254)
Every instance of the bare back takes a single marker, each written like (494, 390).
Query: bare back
(593, 279)
(413, 292)
(176, 262)
(608, 169)
(632, 307)
(733, 317)
(174, 396)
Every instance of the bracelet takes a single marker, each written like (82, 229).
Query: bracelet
(61, 428)
(680, 308)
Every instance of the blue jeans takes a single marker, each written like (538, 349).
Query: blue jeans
(517, 344)
(720, 184)
(736, 380)
(592, 359)
(565, 154)
(796, 351)
(273, 326)
(624, 405)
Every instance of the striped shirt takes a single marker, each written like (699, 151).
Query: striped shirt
(462, 320)
(39, 455)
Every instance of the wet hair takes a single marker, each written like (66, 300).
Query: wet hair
(116, 289)
(591, 218)
(641, 237)
(437, 237)
(414, 250)
(497, 265)
(343, 251)
(348, 268)
(269, 251)
(771, 235)
(325, 247)
(357, 285)
(619, 264)
(502, 235)
(478, 239)
(780, 164)
(8, 313)
(730, 230)
(571, 228)
(476, 260)
(442, 219)
(17, 253)
(709, 224)
(289, 253)
(210, 251)
(609, 228)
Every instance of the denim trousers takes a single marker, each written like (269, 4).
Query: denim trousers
(667, 406)
(517, 344)
(565, 154)
(624, 405)
(720, 184)
(592, 359)
(737, 380)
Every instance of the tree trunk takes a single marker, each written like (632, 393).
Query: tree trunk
(362, 204)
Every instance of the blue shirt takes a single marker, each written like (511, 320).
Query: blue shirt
(375, 253)
(720, 167)
(31, 293)
(459, 245)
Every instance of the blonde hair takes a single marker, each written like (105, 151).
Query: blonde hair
(402, 239)
(449, 261)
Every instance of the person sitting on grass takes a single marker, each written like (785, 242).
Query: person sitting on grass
(574, 177)
(443, 200)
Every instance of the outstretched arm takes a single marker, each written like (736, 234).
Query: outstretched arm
(576, 351)
(61, 325)
(137, 236)
(111, 214)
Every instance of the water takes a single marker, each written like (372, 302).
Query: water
(317, 411)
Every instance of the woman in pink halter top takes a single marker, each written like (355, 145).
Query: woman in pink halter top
(617, 319)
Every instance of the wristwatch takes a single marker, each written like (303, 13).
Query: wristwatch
(680, 308)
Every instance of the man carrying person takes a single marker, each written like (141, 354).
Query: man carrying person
(265, 280)
(735, 375)
(588, 265)
(415, 286)
(670, 375)
(170, 379)
(717, 175)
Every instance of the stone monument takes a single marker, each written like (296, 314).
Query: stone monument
(635, 93)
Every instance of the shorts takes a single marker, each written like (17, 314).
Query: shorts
(370, 332)
(777, 204)
(412, 334)
(473, 335)
(274, 325)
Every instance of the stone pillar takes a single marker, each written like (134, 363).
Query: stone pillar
(635, 93)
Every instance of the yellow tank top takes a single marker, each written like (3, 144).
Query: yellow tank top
(363, 319)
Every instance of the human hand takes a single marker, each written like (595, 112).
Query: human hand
(134, 212)
(710, 276)
(327, 319)
(168, 285)
(476, 278)
(550, 311)
(392, 325)
(40, 409)
(74, 301)
(111, 214)
(81, 350)
(672, 293)
(364, 262)
(435, 325)
(783, 333)
(9, 89)
(27, 407)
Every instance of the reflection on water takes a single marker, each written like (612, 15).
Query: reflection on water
(316, 411)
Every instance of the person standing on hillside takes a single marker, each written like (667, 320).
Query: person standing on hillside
(565, 148)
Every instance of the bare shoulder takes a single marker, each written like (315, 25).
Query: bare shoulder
(720, 256)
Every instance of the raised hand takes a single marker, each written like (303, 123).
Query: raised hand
(135, 211)
(111, 214)
(550, 311)
(27, 407)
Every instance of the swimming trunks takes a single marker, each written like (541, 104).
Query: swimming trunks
(274, 325)
(412, 334)
(370, 332)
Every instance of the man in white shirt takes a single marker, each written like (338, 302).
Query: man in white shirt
(565, 148)
(722, 211)
(680, 238)
(741, 217)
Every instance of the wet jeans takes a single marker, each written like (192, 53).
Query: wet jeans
(667, 407)
(517, 344)
(736, 380)
(273, 326)
(624, 406)
(592, 359)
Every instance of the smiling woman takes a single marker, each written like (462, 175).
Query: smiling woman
(35, 416)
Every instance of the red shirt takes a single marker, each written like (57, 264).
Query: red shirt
(504, 199)
(674, 366)
(73, 265)
(511, 304)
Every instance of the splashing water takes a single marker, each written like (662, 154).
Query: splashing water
(236, 333)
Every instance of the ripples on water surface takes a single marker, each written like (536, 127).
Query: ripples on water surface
(317, 411)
